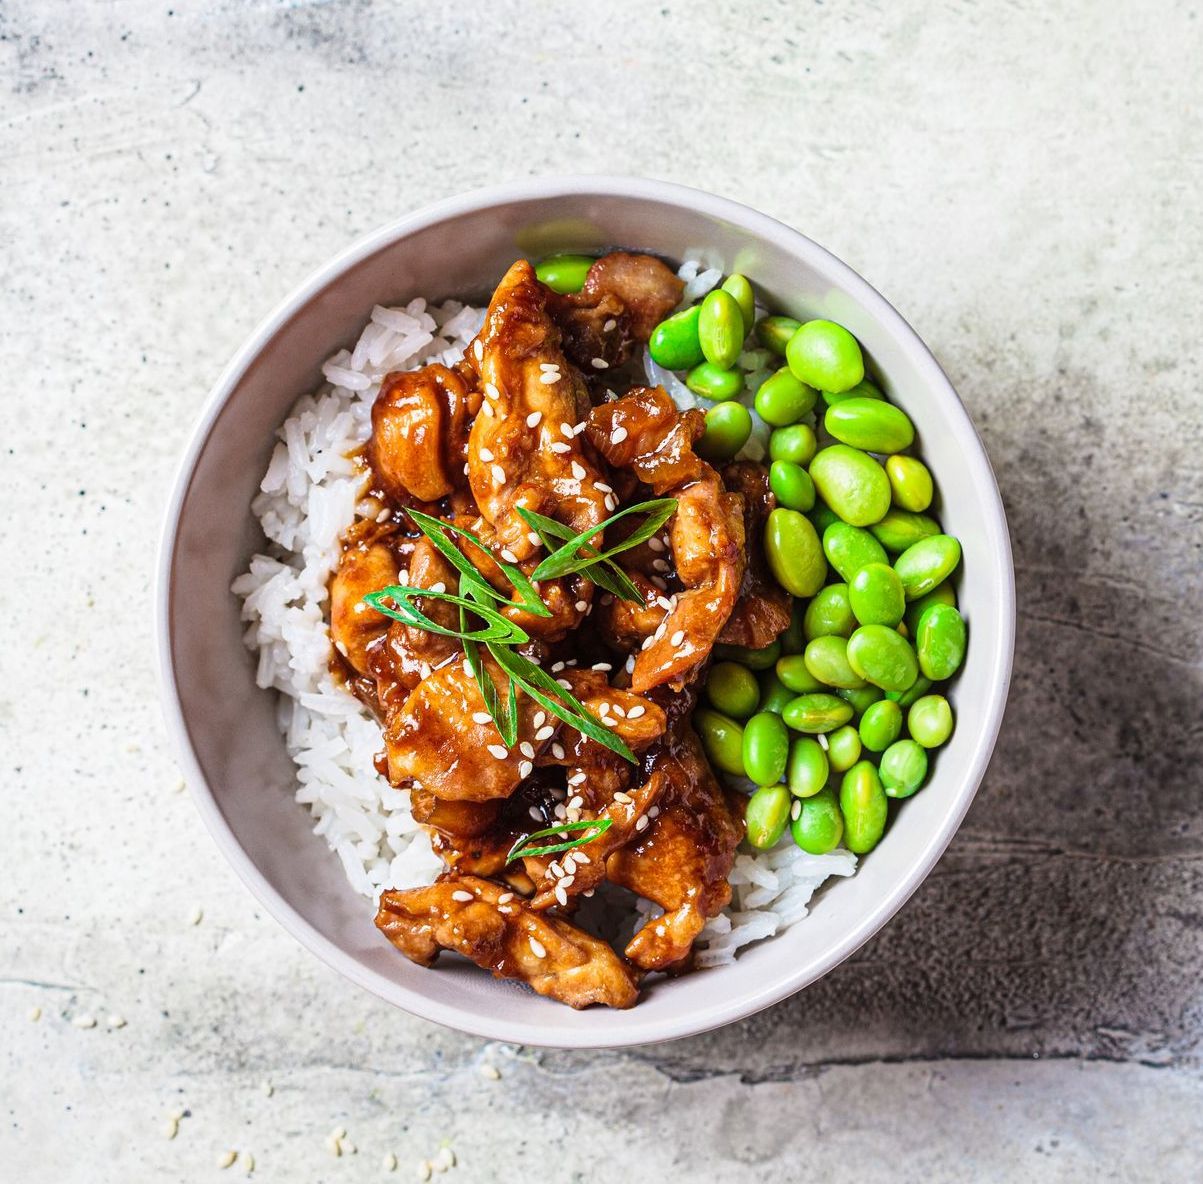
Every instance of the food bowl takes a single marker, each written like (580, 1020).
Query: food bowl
(224, 726)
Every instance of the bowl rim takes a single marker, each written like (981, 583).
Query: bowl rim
(756, 224)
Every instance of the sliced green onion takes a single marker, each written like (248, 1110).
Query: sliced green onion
(506, 718)
(605, 573)
(403, 609)
(568, 558)
(598, 826)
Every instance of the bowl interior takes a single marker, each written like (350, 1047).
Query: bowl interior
(225, 725)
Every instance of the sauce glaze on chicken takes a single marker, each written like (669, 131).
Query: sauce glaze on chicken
(529, 418)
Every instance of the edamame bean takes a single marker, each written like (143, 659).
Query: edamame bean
(910, 483)
(794, 553)
(861, 698)
(774, 332)
(752, 659)
(828, 613)
(728, 426)
(766, 814)
(849, 548)
(875, 594)
(774, 694)
(806, 772)
(827, 659)
(739, 287)
(765, 748)
(852, 483)
(732, 689)
(863, 390)
(793, 673)
(903, 768)
(870, 424)
(674, 342)
(940, 642)
(822, 516)
(722, 738)
(864, 807)
(843, 748)
(825, 355)
(711, 382)
(721, 328)
(791, 485)
(929, 720)
(782, 399)
(793, 640)
(900, 529)
(796, 443)
(818, 825)
(880, 726)
(916, 690)
(927, 563)
(940, 594)
(882, 656)
(564, 273)
(816, 713)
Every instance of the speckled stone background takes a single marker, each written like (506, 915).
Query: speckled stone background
(1022, 179)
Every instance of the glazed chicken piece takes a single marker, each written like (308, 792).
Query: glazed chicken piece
(644, 432)
(762, 611)
(681, 861)
(364, 566)
(523, 449)
(418, 444)
(488, 924)
(624, 298)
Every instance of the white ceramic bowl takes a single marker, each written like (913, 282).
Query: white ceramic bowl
(224, 727)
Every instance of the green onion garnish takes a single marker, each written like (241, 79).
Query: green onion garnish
(569, 558)
(598, 826)
(605, 573)
(402, 608)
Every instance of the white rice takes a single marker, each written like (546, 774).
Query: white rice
(308, 497)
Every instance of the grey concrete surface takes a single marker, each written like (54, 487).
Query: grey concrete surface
(1021, 179)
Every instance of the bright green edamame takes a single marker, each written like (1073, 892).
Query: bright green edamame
(882, 656)
(864, 807)
(875, 594)
(807, 769)
(791, 485)
(765, 748)
(881, 725)
(940, 594)
(732, 689)
(774, 332)
(940, 642)
(794, 553)
(816, 713)
(710, 382)
(738, 286)
(916, 690)
(899, 529)
(752, 659)
(794, 674)
(903, 768)
(927, 563)
(818, 825)
(674, 342)
(721, 328)
(564, 273)
(728, 426)
(823, 516)
(861, 698)
(792, 639)
(849, 548)
(871, 424)
(852, 483)
(722, 738)
(796, 443)
(829, 612)
(782, 399)
(863, 390)
(910, 483)
(825, 355)
(827, 659)
(774, 694)
(766, 814)
(843, 748)
(929, 720)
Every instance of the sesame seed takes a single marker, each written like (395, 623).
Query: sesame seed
(556, 667)
(636, 711)
(196, 915)
(487, 408)
(648, 642)
(580, 427)
(557, 750)
(656, 543)
(563, 682)
(566, 430)
(438, 586)
(659, 565)
(618, 435)
(537, 948)
(549, 376)
(549, 365)
(509, 556)
(611, 502)
(527, 749)
(677, 638)
(540, 717)
(559, 810)
(545, 733)
(226, 1159)
(505, 898)
(574, 803)
(624, 799)
(618, 711)
(498, 474)
(629, 665)
(599, 364)
(601, 487)
(795, 810)
(654, 812)
(525, 768)
(34, 1014)
(478, 350)
(560, 447)
(578, 470)
(581, 605)
(499, 751)
(532, 420)
(561, 895)
(468, 669)
(577, 778)
(610, 326)
(533, 538)
(491, 391)
(481, 717)
(485, 454)
(461, 895)
(823, 742)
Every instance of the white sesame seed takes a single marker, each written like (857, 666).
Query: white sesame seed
(509, 556)
(505, 898)
(535, 813)
(389, 1162)
(525, 768)
(549, 376)
(498, 474)
(602, 487)
(537, 948)
(532, 420)
(499, 751)
(641, 823)
(580, 427)
(487, 408)
(196, 915)
(545, 733)
(83, 1021)
(655, 543)
(533, 538)
(574, 803)
(460, 895)
(34, 1014)
(438, 586)
(424, 670)
(556, 667)
(654, 812)
(481, 717)
(629, 665)
(611, 502)
(660, 565)
(618, 435)
(560, 447)
(604, 667)
(468, 669)
(578, 470)
(226, 1159)
(557, 750)
(561, 896)
(599, 364)
(485, 454)
(677, 638)
(559, 811)
(795, 809)
(610, 326)
(478, 350)
(527, 749)
(636, 711)
(648, 642)
(549, 365)
(581, 605)
(823, 742)
(566, 430)
(618, 711)
(248, 1162)
(581, 857)
(539, 718)
(491, 391)
(623, 798)
(563, 682)
(577, 778)
(661, 629)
